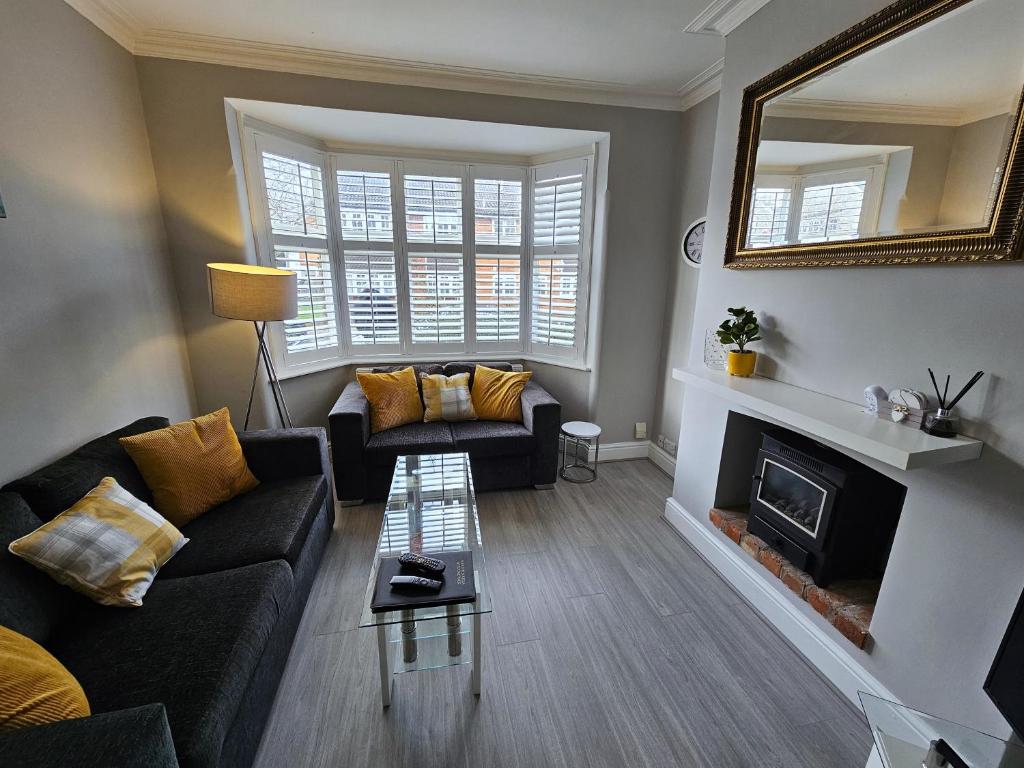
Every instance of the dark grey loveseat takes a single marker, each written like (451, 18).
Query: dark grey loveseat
(188, 678)
(502, 454)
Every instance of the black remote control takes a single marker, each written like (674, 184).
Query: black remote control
(415, 581)
(430, 565)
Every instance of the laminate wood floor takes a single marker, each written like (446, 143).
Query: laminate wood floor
(611, 644)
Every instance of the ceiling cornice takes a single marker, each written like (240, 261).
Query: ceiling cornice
(723, 16)
(110, 17)
(124, 28)
(867, 112)
(310, 61)
(705, 84)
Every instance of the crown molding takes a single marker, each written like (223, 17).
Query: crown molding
(169, 44)
(866, 112)
(707, 83)
(112, 19)
(723, 16)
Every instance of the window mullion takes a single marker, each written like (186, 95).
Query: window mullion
(526, 278)
(401, 242)
(336, 249)
(469, 259)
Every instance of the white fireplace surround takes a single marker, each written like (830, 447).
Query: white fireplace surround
(911, 457)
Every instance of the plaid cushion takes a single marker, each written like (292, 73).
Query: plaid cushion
(447, 397)
(108, 546)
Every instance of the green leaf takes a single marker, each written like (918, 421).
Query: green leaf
(756, 338)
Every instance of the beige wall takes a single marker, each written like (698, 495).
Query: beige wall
(184, 105)
(956, 570)
(977, 151)
(697, 144)
(91, 338)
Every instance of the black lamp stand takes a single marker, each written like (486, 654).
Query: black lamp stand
(263, 355)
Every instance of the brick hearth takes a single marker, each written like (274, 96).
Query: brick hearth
(847, 605)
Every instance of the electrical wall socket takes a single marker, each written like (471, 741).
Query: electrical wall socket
(640, 430)
(670, 447)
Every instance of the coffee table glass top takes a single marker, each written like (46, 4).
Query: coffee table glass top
(431, 508)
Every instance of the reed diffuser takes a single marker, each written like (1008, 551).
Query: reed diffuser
(943, 422)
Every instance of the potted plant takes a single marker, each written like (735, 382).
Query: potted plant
(741, 330)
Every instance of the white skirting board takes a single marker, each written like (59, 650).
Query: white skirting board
(750, 580)
(638, 449)
(662, 459)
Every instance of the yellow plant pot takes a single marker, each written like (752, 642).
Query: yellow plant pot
(741, 363)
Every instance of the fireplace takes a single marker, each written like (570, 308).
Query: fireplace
(825, 512)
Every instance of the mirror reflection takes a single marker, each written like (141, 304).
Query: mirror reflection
(909, 138)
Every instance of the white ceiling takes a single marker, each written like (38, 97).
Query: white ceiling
(343, 126)
(626, 50)
(971, 59)
(797, 153)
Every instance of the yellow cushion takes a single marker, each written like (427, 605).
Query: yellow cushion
(191, 466)
(394, 398)
(496, 394)
(35, 688)
(447, 397)
(109, 545)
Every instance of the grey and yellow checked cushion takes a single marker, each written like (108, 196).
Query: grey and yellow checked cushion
(447, 398)
(109, 545)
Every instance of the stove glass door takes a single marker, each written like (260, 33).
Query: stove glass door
(793, 496)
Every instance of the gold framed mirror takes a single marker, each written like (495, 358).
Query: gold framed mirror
(895, 142)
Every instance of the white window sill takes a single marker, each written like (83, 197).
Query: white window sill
(341, 362)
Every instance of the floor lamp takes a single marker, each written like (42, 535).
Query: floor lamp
(258, 294)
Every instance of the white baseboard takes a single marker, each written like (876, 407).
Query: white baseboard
(632, 449)
(662, 459)
(750, 580)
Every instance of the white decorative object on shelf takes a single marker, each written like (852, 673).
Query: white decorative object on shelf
(873, 396)
(714, 351)
(907, 403)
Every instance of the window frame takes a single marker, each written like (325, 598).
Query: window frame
(257, 138)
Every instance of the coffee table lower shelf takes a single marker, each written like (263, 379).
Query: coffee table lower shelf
(432, 643)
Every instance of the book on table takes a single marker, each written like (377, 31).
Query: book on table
(457, 584)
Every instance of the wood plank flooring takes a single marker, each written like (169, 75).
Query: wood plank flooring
(611, 644)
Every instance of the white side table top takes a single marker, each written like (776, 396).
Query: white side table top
(581, 429)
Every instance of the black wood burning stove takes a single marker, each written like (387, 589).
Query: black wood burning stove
(828, 514)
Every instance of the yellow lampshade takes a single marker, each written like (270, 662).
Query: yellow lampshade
(247, 292)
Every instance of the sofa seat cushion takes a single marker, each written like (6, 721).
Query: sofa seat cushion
(493, 438)
(268, 523)
(422, 437)
(55, 487)
(193, 646)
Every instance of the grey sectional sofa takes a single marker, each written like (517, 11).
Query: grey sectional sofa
(188, 678)
(502, 454)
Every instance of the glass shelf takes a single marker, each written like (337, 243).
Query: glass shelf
(904, 738)
(431, 648)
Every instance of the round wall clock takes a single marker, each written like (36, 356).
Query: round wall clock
(693, 243)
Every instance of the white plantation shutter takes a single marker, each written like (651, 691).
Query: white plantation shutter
(559, 240)
(368, 251)
(831, 211)
(497, 266)
(292, 178)
(435, 262)
(769, 215)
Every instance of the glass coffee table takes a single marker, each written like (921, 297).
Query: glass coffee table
(431, 508)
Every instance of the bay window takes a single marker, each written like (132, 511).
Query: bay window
(401, 257)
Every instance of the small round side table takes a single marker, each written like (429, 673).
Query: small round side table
(580, 435)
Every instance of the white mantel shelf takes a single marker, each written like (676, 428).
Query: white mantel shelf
(836, 421)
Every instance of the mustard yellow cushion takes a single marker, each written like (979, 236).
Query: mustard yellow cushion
(447, 397)
(108, 546)
(191, 466)
(394, 398)
(35, 688)
(496, 394)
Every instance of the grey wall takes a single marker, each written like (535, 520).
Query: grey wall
(977, 151)
(931, 144)
(956, 569)
(697, 143)
(184, 105)
(91, 338)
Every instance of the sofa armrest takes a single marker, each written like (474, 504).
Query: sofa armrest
(277, 454)
(127, 737)
(542, 415)
(349, 423)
